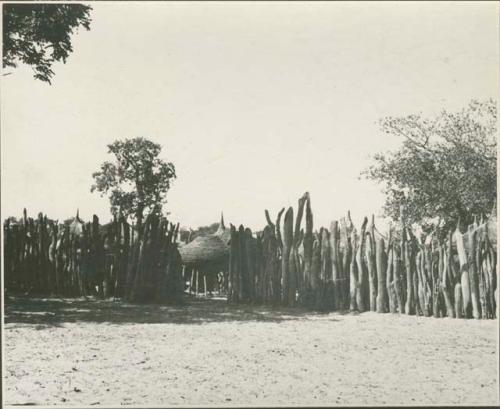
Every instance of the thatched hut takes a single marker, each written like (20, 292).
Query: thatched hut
(203, 250)
(205, 257)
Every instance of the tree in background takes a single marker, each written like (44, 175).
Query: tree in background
(191, 234)
(445, 169)
(40, 34)
(137, 181)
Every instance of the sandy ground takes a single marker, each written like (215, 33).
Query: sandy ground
(89, 353)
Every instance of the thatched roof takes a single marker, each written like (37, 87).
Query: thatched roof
(223, 233)
(204, 249)
(76, 224)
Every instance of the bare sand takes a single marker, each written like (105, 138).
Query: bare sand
(79, 352)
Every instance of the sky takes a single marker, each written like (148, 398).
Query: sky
(254, 103)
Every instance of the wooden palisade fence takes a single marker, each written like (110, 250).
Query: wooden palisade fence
(344, 268)
(44, 257)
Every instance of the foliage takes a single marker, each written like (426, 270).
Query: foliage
(40, 34)
(199, 231)
(12, 220)
(445, 169)
(137, 181)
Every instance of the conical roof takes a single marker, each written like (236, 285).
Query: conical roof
(76, 225)
(222, 227)
(203, 249)
(223, 233)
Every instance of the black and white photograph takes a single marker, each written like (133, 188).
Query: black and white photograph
(249, 204)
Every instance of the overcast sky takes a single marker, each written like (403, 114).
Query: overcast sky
(254, 103)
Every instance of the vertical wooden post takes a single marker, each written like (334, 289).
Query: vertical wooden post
(285, 260)
(361, 284)
(242, 267)
(308, 244)
(233, 283)
(334, 255)
(191, 281)
(354, 274)
(279, 276)
(421, 286)
(426, 287)
(450, 310)
(459, 302)
(473, 279)
(353, 271)
(346, 263)
(485, 313)
(297, 277)
(381, 275)
(371, 265)
(465, 282)
(435, 281)
(391, 292)
(396, 278)
(251, 254)
(322, 299)
(405, 247)
(316, 268)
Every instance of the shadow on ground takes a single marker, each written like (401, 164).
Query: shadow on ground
(49, 312)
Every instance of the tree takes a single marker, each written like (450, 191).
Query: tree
(40, 34)
(137, 181)
(445, 169)
(199, 231)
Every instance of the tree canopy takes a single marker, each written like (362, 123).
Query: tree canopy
(199, 231)
(40, 34)
(445, 168)
(137, 181)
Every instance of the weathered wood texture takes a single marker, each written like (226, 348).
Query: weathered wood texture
(289, 263)
(343, 268)
(42, 256)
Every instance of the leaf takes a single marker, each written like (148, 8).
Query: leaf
(445, 168)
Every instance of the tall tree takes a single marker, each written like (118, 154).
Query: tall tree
(137, 181)
(40, 34)
(445, 168)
